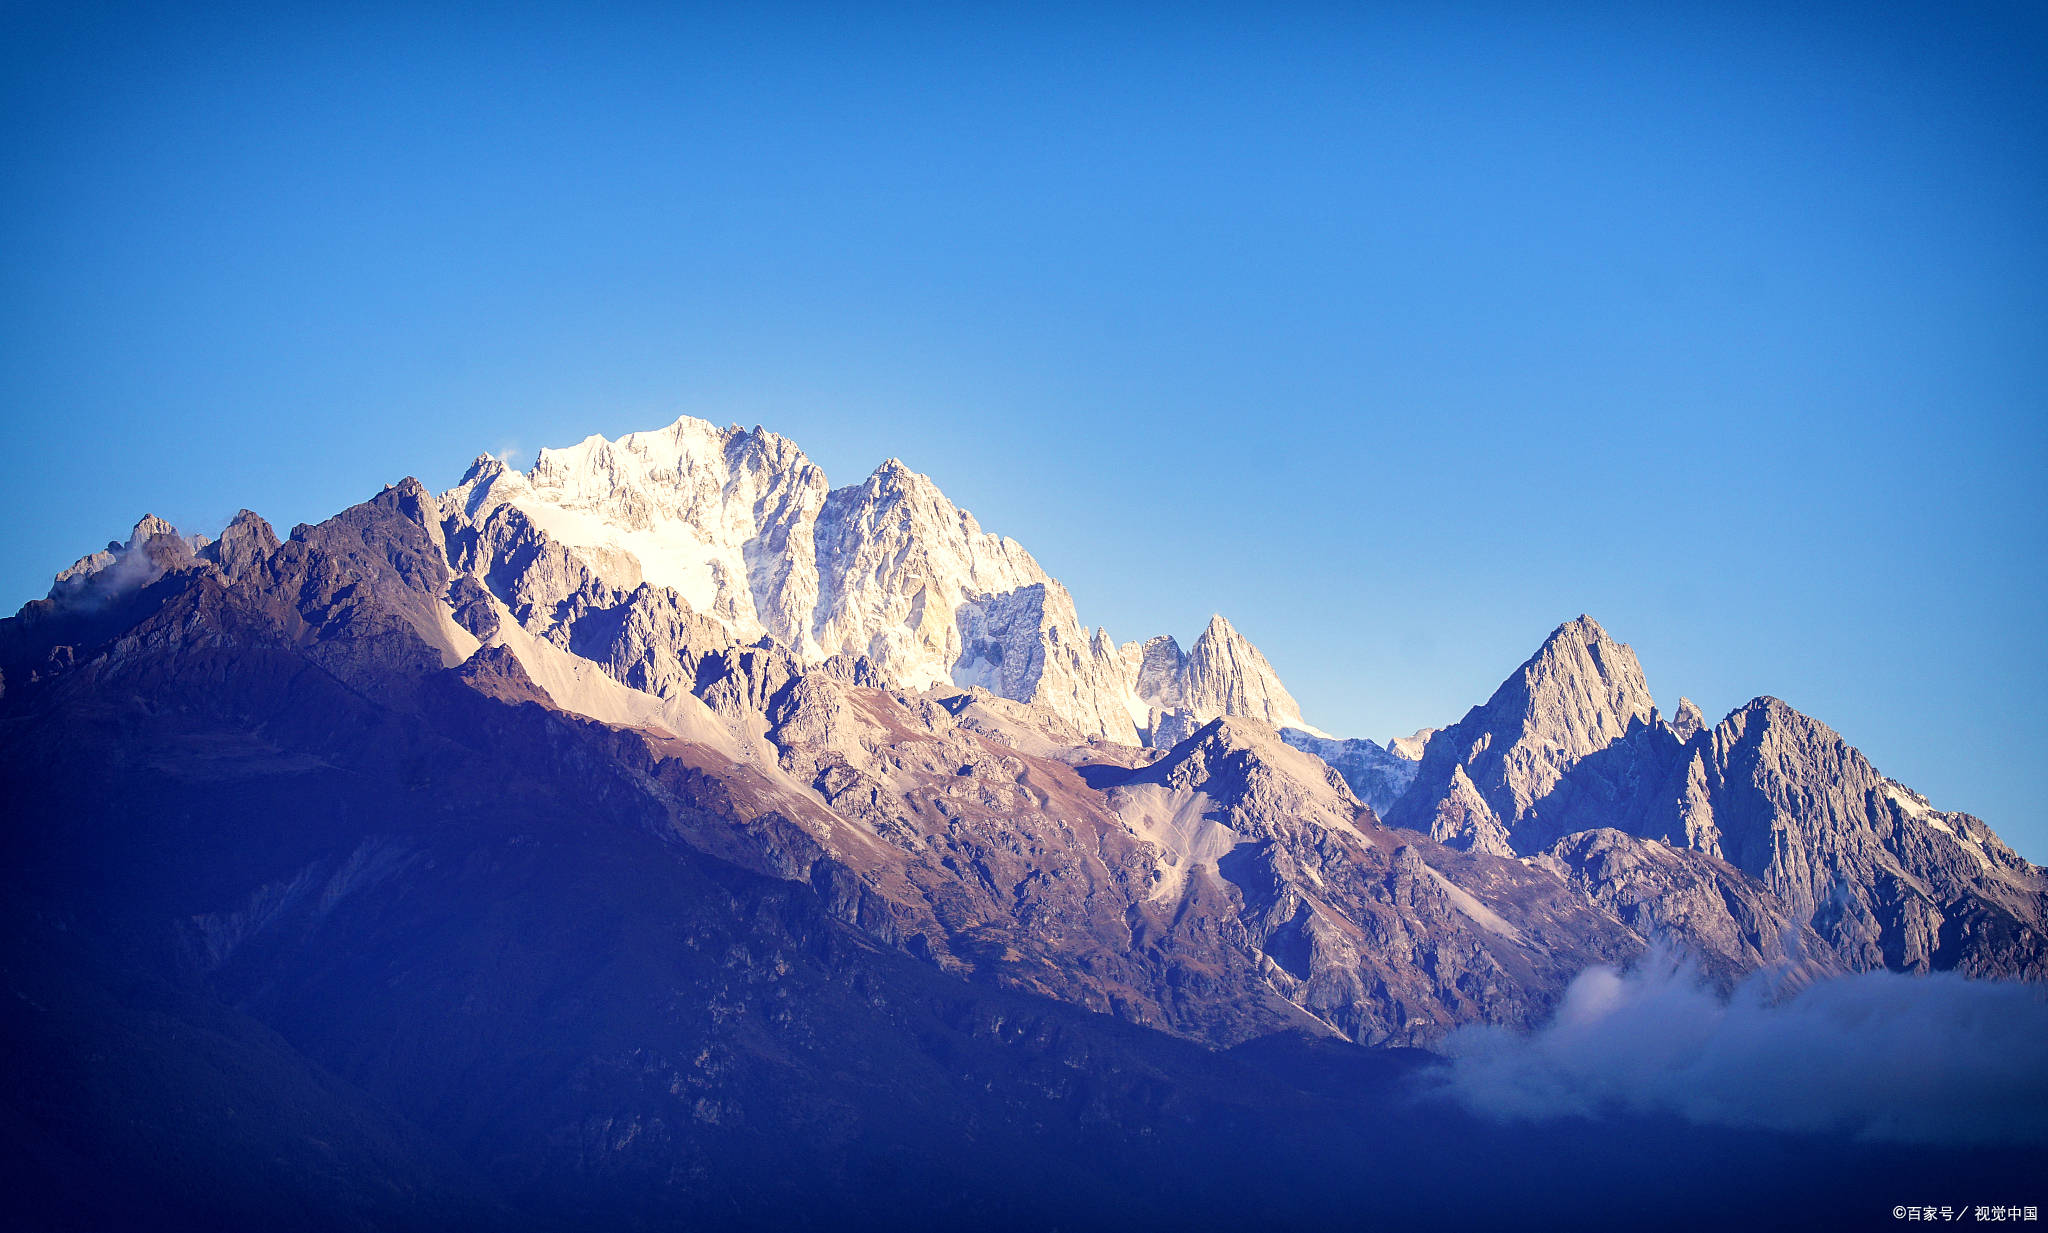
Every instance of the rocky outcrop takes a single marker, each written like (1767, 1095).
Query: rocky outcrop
(153, 548)
(1021, 644)
(1412, 747)
(1224, 674)
(1385, 938)
(896, 561)
(1463, 819)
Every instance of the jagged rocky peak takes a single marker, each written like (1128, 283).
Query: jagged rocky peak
(149, 527)
(1570, 744)
(1886, 878)
(1221, 674)
(743, 530)
(1463, 818)
(1579, 694)
(152, 549)
(84, 567)
(247, 541)
(1236, 760)
(1581, 691)
(1155, 666)
(1226, 675)
(1364, 932)
(1731, 923)
(722, 516)
(897, 561)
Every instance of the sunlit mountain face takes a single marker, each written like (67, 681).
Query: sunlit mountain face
(663, 836)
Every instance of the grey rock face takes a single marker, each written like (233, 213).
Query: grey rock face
(786, 491)
(1578, 695)
(1687, 720)
(470, 606)
(1156, 666)
(543, 583)
(1376, 774)
(649, 640)
(1223, 674)
(1170, 728)
(1020, 645)
(1463, 819)
(1264, 851)
(1730, 922)
(365, 588)
(1411, 747)
(153, 549)
(1569, 752)
(1885, 878)
(1226, 675)
(895, 560)
(247, 541)
(643, 636)
(495, 672)
(1230, 884)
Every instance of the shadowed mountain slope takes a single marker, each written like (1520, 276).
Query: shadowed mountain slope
(427, 869)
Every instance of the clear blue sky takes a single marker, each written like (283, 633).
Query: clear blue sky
(1398, 334)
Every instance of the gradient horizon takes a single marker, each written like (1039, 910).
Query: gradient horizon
(1397, 336)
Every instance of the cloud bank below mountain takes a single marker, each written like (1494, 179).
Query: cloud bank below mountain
(1935, 1059)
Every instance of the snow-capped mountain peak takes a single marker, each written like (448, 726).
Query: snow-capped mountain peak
(742, 527)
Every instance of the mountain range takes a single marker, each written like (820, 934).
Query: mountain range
(661, 829)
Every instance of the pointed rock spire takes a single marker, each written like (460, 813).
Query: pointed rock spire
(1687, 720)
(1463, 819)
(1224, 674)
(1579, 694)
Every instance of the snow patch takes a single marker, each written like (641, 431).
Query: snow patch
(742, 526)
(1915, 806)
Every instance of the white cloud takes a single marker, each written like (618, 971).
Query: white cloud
(1877, 1055)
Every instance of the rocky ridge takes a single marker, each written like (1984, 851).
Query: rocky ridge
(1218, 869)
(430, 868)
(1570, 758)
(886, 577)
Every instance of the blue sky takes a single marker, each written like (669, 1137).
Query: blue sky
(1399, 334)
